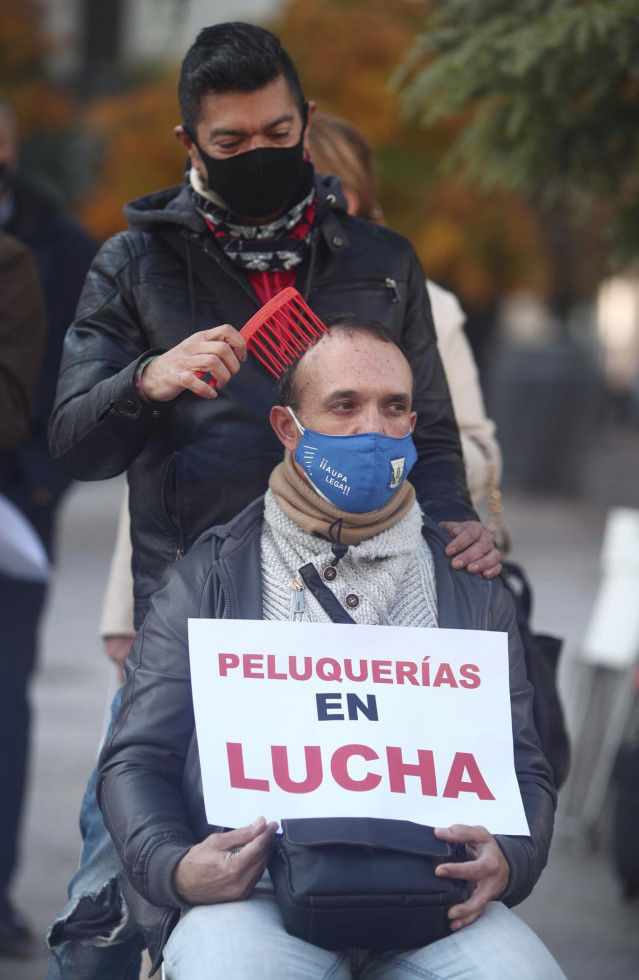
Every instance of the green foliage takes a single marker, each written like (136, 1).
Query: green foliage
(550, 92)
(477, 244)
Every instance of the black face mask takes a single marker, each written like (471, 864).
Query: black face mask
(260, 182)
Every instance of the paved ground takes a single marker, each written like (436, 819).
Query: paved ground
(576, 908)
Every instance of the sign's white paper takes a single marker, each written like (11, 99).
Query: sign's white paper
(323, 720)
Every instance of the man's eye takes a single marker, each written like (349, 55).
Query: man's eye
(280, 135)
(343, 406)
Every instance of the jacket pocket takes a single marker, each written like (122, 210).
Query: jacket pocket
(386, 285)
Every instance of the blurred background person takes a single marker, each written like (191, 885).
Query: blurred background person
(62, 253)
(22, 331)
(337, 146)
(22, 338)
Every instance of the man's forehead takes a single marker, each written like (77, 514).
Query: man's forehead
(269, 105)
(345, 361)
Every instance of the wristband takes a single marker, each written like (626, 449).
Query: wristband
(137, 377)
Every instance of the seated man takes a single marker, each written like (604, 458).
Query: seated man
(199, 893)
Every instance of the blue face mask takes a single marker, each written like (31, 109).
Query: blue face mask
(357, 473)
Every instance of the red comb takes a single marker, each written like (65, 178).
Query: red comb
(281, 332)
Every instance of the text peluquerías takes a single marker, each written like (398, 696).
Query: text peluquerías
(297, 668)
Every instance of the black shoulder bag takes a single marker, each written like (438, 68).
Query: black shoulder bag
(540, 649)
(361, 882)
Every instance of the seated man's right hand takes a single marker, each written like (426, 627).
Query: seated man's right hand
(214, 871)
(217, 352)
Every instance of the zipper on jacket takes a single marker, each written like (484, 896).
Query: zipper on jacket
(486, 625)
(223, 579)
(388, 284)
(304, 286)
(392, 285)
(171, 482)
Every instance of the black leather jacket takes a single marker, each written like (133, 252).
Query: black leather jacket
(193, 463)
(150, 787)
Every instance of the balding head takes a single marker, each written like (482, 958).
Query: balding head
(355, 379)
(339, 323)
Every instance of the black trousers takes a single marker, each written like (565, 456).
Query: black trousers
(21, 606)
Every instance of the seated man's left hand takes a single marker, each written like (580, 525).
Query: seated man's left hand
(487, 867)
(473, 547)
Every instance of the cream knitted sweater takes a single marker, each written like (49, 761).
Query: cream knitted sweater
(392, 574)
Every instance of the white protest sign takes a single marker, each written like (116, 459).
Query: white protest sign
(326, 720)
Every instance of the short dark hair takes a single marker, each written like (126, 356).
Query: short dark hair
(232, 57)
(348, 323)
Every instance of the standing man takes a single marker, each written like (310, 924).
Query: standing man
(22, 336)
(250, 219)
(62, 253)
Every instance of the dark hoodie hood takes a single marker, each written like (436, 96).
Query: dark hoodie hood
(173, 206)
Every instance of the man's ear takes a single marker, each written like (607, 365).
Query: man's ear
(284, 427)
(183, 137)
(310, 112)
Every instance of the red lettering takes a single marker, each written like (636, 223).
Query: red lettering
(335, 672)
(471, 673)
(236, 770)
(293, 671)
(363, 670)
(271, 672)
(444, 675)
(252, 665)
(226, 660)
(465, 762)
(406, 670)
(281, 772)
(339, 768)
(425, 769)
(381, 672)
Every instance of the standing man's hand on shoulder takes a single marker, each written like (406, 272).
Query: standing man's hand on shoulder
(472, 548)
(217, 352)
(487, 867)
(225, 867)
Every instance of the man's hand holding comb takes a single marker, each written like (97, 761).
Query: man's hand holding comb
(217, 352)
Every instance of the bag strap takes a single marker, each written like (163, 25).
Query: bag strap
(517, 582)
(331, 606)
(495, 505)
